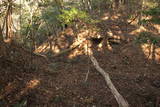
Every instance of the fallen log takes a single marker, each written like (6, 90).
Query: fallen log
(66, 50)
(74, 46)
(119, 98)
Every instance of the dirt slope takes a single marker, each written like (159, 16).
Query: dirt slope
(136, 77)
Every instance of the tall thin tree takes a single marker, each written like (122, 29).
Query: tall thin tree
(9, 21)
(1, 34)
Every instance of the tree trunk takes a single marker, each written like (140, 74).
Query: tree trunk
(116, 2)
(83, 4)
(9, 31)
(89, 6)
(1, 34)
(59, 3)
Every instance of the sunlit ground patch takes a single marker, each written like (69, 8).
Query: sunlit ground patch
(137, 31)
(151, 52)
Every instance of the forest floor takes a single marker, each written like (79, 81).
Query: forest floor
(136, 77)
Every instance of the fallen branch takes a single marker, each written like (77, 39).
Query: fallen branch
(69, 49)
(38, 54)
(65, 51)
(119, 98)
(133, 19)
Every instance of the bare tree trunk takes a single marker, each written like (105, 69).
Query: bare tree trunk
(59, 3)
(86, 5)
(1, 34)
(9, 31)
(89, 5)
(83, 4)
(123, 2)
(116, 3)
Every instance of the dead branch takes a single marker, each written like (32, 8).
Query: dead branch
(119, 98)
(65, 51)
(134, 18)
(38, 54)
(74, 46)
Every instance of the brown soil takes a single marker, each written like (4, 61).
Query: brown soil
(25, 77)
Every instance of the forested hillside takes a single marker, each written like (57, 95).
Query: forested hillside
(80, 53)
